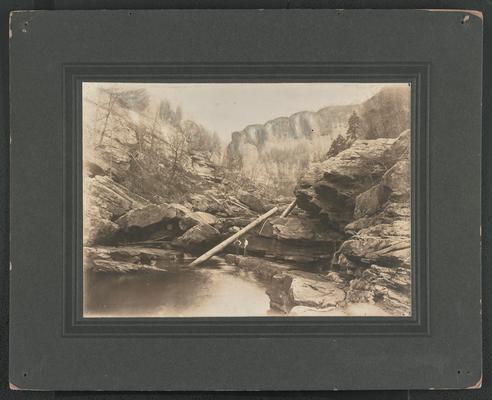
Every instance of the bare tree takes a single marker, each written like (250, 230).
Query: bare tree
(178, 150)
(109, 109)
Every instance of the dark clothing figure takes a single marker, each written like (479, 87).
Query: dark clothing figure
(237, 246)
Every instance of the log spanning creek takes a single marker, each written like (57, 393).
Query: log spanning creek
(131, 281)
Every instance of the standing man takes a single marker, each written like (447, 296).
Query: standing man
(237, 245)
(245, 247)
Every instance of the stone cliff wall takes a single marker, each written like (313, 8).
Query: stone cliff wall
(365, 192)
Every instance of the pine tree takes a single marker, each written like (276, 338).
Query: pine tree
(353, 133)
(354, 127)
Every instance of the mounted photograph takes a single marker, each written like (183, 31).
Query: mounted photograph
(246, 199)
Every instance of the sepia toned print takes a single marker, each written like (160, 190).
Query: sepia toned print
(246, 199)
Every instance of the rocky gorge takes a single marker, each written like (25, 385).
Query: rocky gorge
(348, 242)
(344, 249)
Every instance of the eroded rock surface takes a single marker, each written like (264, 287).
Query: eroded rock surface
(330, 188)
(108, 201)
(288, 287)
(126, 260)
(295, 238)
(365, 191)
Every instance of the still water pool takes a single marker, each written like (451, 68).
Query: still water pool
(215, 289)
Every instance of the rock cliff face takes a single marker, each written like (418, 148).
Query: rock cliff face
(364, 192)
(277, 152)
(329, 121)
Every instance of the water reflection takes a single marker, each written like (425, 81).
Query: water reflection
(217, 290)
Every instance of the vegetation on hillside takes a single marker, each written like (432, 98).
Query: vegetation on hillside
(143, 143)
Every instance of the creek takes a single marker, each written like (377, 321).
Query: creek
(214, 289)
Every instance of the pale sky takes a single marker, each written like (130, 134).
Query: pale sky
(229, 107)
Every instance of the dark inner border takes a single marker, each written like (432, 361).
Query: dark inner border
(75, 325)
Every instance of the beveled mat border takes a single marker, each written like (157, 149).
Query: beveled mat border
(418, 74)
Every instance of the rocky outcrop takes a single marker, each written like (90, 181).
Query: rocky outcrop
(288, 287)
(365, 192)
(107, 202)
(295, 238)
(126, 259)
(118, 216)
(166, 222)
(153, 214)
(330, 188)
(389, 287)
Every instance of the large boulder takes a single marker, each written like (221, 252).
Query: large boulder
(147, 216)
(191, 219)
(252, 201)
(198, 238)
(161, 215)
(353, 170)
(315, 293)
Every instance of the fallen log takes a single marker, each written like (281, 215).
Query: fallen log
(228, 241)
(289, 208)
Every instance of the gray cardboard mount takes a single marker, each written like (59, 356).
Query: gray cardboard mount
(53, 348)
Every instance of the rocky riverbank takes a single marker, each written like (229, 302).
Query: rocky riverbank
(347, 242)
(288, 287)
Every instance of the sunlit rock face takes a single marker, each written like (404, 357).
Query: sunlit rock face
(275, 153)
(329, 121)
(365, 192)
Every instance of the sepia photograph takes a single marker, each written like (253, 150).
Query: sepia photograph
(246, 199)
